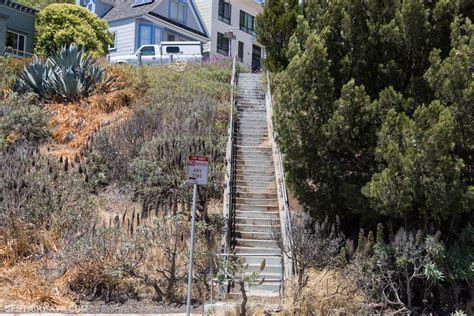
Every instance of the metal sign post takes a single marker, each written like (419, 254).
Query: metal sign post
(197, 175)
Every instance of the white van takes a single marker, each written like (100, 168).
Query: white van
(164, 53)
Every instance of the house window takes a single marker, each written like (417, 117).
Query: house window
(178, 10)
(223, 44)
(145, 35)
(158, 35)
(91, 6)
(16, 41)
(241, 52)
(114, 45)
(224, 11)
(247, 23)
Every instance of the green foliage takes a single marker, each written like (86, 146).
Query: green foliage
(420, 178)
(70, 74)
(10, 69)
(41, 4)
(182, 113)
(451, 80)
(61, 25)
(374, 119)
(21, 119)
(303, 104)
(275, 25)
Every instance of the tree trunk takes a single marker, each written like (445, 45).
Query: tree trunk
(244, 298)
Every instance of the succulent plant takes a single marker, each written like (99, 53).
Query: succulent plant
(71, 74)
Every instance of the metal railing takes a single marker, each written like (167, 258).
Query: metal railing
(11, 52)
(228, 238)
(286, 230)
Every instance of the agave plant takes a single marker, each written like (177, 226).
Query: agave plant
(36, 77)
(71, 74)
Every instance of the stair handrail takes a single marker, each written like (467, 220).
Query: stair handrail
(286, 229)
(229, 191)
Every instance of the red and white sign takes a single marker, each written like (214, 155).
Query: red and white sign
(197, 169)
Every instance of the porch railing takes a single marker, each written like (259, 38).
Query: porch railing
(12, 52)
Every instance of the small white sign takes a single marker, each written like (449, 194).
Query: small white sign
(197, 169)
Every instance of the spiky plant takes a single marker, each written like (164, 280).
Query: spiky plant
(71, 74)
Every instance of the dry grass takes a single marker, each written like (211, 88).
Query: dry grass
(25, 287)
(328, 293)
(81, 121)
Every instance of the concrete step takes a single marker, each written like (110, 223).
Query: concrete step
(256, 243)
(252, 170)
(262, 157)
(267, 178)
(264, 165)
(257, 228)
(261, 220)
(251, 149)
(241, 250)
(274, 215)
(260, 161)
(251, 115)
(258, 208)
(273, 201)
(272, 236)
(253, 195)
(268, 189)
(250, 142)
(255, 184)
(250, 133)
(275, 268)
(257, 260)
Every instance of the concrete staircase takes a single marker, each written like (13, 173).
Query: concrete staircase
(257, 221)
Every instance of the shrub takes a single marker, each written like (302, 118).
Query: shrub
(156, 255)
(174, 105)
(70, 74)
(10, 69)
(22, 120)
(41, 202)
(413, 272)
(61, 25)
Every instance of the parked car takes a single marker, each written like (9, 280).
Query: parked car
(164, 53)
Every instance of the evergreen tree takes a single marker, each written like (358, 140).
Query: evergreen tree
(304, 103)
(274, 27)
(420, 179)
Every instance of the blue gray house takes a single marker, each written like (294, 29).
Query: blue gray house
(17, 29)
(140, 22)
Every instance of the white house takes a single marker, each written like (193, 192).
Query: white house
(140, 22)
(231, 27)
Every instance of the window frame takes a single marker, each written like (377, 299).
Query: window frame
(114, 46)
(221, 15)
(220, 49)
(140, 31)
(179, 3)
(17, 34)
(240, 51)
(91, 6)
(244, 18)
